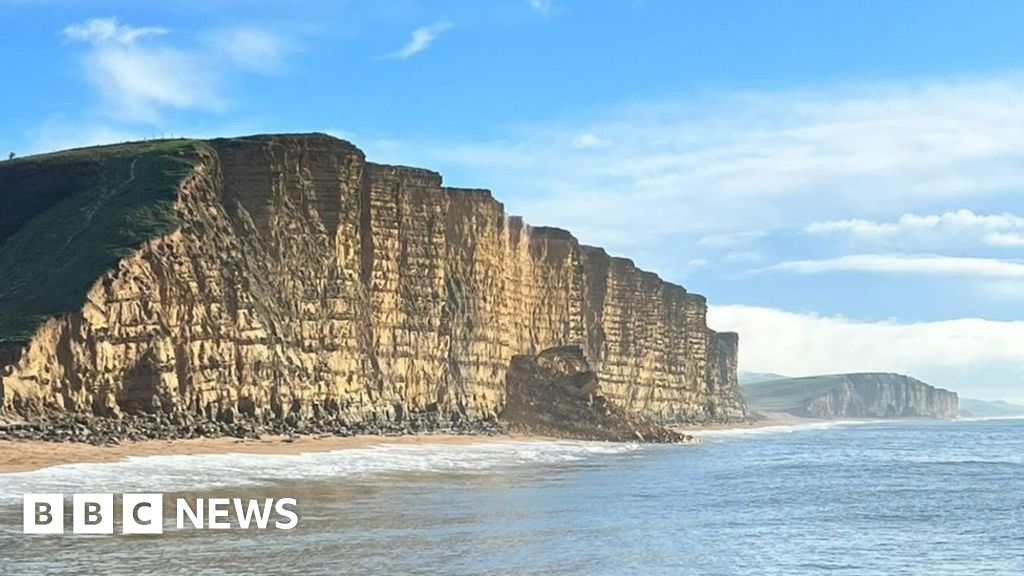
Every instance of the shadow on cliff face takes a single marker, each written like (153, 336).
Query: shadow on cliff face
(557, 394)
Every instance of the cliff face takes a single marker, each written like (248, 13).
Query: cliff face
(865, 395)
(304, 282)
(884, 396)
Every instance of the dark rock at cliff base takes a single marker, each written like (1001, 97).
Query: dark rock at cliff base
(557, 394)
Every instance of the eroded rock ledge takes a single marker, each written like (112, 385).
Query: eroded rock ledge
(306, 285)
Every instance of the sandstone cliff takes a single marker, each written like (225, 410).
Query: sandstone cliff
(290, 279)
(864, 395)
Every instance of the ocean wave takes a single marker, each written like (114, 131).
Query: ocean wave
(987, 418)
(971, 462)
(778, 429)
(210, 471)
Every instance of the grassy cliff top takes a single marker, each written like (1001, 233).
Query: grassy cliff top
(68, 217)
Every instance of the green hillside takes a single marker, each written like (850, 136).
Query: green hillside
(68, 217)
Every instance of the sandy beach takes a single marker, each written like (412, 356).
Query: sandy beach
(27, 455)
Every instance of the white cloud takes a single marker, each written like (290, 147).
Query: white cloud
(588, 140)
(1004, 229)
(908, 264)
(739, 161)
(974, 356)
(139, 76)
(542, 7)
(103, 30)
(137, 82)
(1005, 239)
(855, 226)
(732, 240)
(421, 39)
(251, 48)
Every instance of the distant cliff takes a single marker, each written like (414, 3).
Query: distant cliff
(864, 395)
(972, 408)
(285, 278)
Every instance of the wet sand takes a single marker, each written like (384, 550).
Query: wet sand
(26, 455)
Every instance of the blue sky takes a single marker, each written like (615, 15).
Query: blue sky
(842, 180)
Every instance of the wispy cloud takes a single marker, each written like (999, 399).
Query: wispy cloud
(733, 240)
(1005, 239)
(542, 7)
(589, 140)
(1004, 229)
(675, 171)
(855, 226)
(137, 81)
(974, 356)
(141, 71)
(421, 39)
(103, 30)
(251, 48)
(908, 264)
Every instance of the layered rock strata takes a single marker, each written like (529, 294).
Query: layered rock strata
(883, 396)
(306, 283)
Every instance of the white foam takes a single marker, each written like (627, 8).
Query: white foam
(987, 418)
(779, 428)
(209, 471)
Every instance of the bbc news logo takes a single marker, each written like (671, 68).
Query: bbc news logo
(144, 513)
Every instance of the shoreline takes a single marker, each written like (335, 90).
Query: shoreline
(763, 420)
(768, 420)
(30, 455)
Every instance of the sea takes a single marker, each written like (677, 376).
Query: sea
(859, 498)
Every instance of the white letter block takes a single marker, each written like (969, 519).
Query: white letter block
(92, 514)
(43, 514)
(142, 514)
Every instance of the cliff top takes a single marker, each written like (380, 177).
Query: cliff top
(67, 217)
(285, 137)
